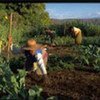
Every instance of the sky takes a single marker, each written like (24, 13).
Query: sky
(73, 10)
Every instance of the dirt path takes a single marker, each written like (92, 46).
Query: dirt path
(70, 85)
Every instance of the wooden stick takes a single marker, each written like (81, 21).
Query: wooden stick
(10, 30)
(10, 24)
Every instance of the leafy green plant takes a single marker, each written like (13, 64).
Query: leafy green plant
(91, 41)
(58, 63)
(34, 93)
(63, 40)
(89, 55)
(13, 85)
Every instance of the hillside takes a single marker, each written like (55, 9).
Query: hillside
(95, 21)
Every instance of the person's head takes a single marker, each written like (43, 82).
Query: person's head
(70, 29)
(31, 46)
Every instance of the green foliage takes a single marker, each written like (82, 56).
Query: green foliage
(89, 55)
(58, 63)
(58, 40)
(12, 86)
(91, 41)
(69, 41)
(34, 93)
(59, 28)
(63, 41)
(28, 20)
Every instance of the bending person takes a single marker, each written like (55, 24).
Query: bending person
(76, 34)
(36, 56)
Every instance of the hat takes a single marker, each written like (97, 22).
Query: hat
(30, 45)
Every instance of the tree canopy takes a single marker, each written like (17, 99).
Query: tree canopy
(28, 18)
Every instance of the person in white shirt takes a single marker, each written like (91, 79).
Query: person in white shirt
(36, 56)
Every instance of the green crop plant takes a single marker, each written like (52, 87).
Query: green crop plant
(91, 41)
(89, 55)
(12, 86)
(56, 62)
(63, 40)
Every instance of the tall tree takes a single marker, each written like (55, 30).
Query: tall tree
(27, 17)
